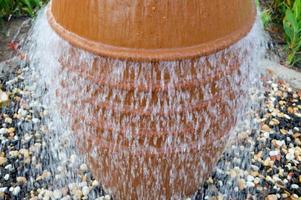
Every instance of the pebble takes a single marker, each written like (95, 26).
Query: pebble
(35, 120)
(95, 183)
(290, 156)
(9, 167)
(266, 128)
(85, 190)
(274, 153)
(3, 189)
(84, 167)
(14, 154)
(250, 178)
(295, 197)
(6, 177)
(3, 160)
(21, 180)
(280, 143)
(10, 130)
(57, 194)
(271, 197)
(46, 174)
(3, 131)
(8, 120)
(295, 186)
(25, 153)
(241, 184)
(22, 112)
(16, 191)
(78, 194)
(250, 184)
(4, 98)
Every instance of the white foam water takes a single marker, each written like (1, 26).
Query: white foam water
(55, 67)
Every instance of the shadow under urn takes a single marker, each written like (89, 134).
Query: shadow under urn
(153, 104)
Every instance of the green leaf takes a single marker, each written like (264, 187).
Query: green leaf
(297, 10)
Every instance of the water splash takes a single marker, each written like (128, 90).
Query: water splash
(201, 98)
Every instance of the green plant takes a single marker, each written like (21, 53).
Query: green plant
(276, 9)
(6, 8)
(292, 30)
(266, 17)
(10, 8)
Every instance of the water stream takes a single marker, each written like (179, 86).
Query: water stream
(193, 106)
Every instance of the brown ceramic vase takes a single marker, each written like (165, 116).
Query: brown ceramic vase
(135, 147)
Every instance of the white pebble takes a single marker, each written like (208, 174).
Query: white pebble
(290, 156)
(57, 194)
(16, 191)
(255, 168)
(250, 178)
(85, 190)
(274, 153)
(280, 142)
(3, 97)
(250, 184)
(3, 131)
(266, 135)
(9, 167)
(35, 120)
(95, 183)
(83, 167)
(6, 177)
(3, 189)
(22, 112)
(107, 197)
(72, 186)
(294, 186)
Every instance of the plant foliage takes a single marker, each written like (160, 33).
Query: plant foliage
(9, 8)
(292, 29)
(284, 16)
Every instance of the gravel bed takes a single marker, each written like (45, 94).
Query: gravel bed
(24, 158)
(264, 163)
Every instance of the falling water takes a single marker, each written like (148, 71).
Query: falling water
(116, 113)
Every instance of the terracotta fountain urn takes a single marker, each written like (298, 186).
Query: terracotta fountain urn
(153, 88)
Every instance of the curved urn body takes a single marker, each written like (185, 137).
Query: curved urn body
(153, 102)
(152, 29)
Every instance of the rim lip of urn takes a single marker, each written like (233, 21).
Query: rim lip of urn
(167, 54)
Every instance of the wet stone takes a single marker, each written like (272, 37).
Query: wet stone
(274, 166)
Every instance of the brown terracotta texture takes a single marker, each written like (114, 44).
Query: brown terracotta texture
(152, 29)
(149, 164)
(151, 129)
